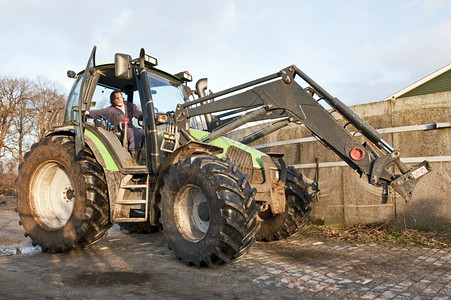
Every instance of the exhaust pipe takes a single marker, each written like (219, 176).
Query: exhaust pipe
(201, 87)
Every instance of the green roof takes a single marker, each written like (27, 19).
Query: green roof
(439, 81)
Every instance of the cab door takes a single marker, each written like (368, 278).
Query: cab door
(83, 102)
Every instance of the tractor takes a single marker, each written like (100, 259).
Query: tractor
(211, 195)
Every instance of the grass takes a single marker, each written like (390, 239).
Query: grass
(380, 233)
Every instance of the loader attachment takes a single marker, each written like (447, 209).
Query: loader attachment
(405, 183)
(278, 97)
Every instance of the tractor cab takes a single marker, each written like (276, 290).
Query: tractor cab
(153, 91)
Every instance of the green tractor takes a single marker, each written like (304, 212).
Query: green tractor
(212, 196)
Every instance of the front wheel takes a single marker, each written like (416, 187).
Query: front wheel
(298, 197)
(62, 202)
(209, 214)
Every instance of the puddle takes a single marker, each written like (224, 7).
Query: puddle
(19, 250)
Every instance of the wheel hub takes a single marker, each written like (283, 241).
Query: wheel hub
(52, 196)
(191, 212)
(203, 212)
(70, 194)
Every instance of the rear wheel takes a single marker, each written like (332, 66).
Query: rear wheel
(209, 214)
(298, 198)
(62, 202)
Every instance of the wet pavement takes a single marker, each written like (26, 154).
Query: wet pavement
(126, 265)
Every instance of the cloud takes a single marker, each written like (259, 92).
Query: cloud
(420, 52)
(432, 7)
(123, 19)
(358, 50)
(229, 19)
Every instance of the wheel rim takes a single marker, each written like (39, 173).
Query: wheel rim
(52, 196)
(192, 213)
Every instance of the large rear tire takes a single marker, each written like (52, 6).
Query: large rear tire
(209, 214)
(298, 197)
(62, 202)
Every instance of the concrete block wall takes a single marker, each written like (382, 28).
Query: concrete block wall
(346, 198)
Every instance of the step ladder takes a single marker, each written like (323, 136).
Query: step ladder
(128, 200)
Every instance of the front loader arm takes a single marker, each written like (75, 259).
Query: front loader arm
(279, 96)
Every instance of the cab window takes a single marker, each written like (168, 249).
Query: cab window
(101, 99)
(70, 116)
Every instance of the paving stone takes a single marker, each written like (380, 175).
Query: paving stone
(307, 267)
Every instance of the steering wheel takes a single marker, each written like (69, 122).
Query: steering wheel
(140, 121)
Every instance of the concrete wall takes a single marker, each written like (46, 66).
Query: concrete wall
(347, 199)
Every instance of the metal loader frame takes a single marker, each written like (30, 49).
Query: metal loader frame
(279, 97)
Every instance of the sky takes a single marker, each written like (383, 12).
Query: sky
(359, 51)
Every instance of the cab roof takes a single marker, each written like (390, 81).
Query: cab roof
(108, 77)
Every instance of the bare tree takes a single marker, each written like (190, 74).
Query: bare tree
(46, 98)
(8, 171)
(13, 92)
(24, 110)
(21, 135)
(31, 115)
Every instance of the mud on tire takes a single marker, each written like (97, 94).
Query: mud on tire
(298, 197)
(209, 214)
(62, 202)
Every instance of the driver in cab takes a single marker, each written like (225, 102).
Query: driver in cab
(116, 114)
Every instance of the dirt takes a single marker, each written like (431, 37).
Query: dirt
(8, 206)
(7, 203)
(385, 232)
(4, 240)
(140, 266)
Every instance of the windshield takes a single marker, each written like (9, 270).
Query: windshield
(165, 94)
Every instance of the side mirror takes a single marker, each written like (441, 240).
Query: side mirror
(71, 74)
(123, 66)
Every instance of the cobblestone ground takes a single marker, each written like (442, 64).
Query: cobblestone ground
(346, 270)
(141, 266)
